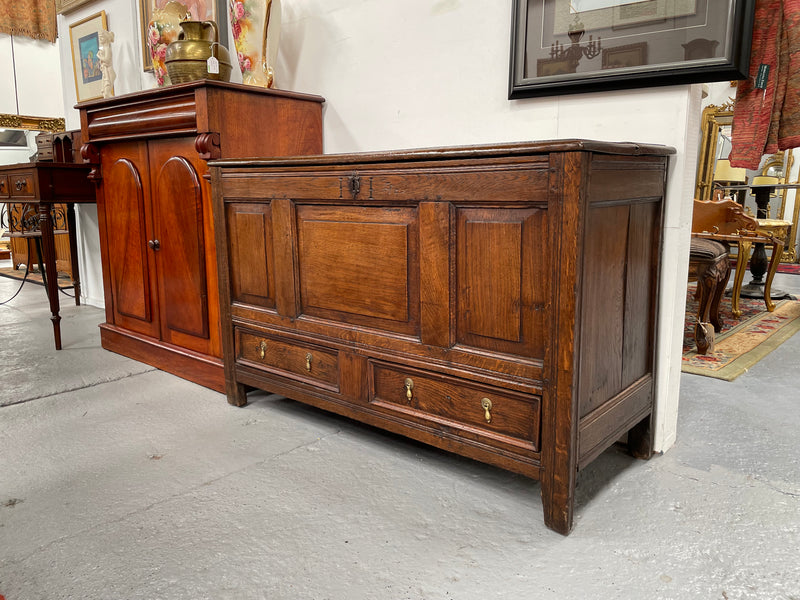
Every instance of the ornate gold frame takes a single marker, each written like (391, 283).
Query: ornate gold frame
(52, 124)
(65, 6)
(785, 161)
(713, 118)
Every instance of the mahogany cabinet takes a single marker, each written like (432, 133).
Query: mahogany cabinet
(498, 302)
(149, 152)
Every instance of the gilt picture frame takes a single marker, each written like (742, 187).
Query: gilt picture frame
(66, 6)
(577, 46)
(85, 42)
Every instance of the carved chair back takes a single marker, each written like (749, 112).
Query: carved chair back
(724, 217)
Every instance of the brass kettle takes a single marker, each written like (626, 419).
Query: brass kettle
(187, 58)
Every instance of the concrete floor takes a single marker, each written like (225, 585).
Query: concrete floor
(118, 481)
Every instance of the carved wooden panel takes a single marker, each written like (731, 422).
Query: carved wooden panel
(502, 279)
(618, 309)
(252, 270)
(125, 176)
(359, 265)
(180, 255)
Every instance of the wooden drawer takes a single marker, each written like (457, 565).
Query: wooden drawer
(475, 411)
(45, 154)
(514, 183)
(303, 362)
(22, 185)
(5, 190)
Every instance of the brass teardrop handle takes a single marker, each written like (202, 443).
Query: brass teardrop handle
(486, 405)
(409, 387)
(308, 362)
(19, 184)
(154, 244)
(262, 349)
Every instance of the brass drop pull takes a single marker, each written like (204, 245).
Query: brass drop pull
(409, 387)
(19, 184)
(486, 405)
(262, 349)
(308, 362)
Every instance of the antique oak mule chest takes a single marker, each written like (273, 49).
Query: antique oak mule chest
(498, 302)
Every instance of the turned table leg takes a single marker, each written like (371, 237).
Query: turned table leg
(51, 274)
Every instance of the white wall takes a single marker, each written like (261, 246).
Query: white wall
(37, 77)
(429, 73)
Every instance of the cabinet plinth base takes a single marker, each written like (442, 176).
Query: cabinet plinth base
(197, 368)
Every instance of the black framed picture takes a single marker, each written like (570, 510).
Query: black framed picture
(572, 46)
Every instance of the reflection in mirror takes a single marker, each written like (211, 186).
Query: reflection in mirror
(715, 146)
(18, 135)
(13, 138)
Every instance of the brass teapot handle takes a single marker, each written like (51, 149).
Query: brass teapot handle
(215, 28)
(182, 34)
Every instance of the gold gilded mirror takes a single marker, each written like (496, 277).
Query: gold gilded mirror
(715, 145)
(52, 124)
(18, 135)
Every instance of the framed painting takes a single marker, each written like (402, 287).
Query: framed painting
(630, 55)
(85, 43)
(198, 10)
(572, 46)
(65, 6)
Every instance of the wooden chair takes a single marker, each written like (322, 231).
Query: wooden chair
(725, 221)
(710, 267)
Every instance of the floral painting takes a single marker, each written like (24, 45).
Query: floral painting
(251, 21)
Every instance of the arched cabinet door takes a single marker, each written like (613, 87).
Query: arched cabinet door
(130, 269)
(178, 225)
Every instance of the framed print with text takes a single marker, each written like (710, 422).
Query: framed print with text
(572, 46)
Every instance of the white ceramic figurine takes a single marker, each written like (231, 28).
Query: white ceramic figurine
(106, 66)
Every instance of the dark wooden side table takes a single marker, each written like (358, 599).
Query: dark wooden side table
(46, 184)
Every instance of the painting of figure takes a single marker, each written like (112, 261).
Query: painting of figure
(90, 67)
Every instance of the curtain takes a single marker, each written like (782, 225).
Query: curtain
(766, 120)
(30, 18)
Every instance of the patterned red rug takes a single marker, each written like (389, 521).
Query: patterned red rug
(743, 341)
(790, 268)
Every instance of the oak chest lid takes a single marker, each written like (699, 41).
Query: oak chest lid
(445, 153)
